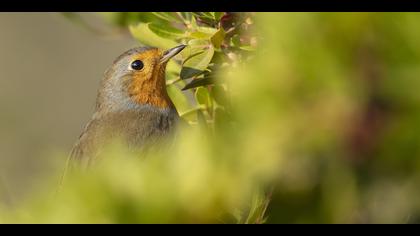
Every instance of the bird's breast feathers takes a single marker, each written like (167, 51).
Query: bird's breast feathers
(138, 128)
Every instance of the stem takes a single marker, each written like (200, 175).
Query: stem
(266, 203)
(173, 81)
(184, 21)
(191, 111)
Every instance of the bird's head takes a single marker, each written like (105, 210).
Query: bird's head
(137, 78)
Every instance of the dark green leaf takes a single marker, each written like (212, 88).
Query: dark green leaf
(205, 17)
(218, 15)
(235, 40)
(199, 82)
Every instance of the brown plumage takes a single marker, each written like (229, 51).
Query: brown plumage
(132, 105)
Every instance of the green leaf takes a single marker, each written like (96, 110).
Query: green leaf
(200, 55)
(193, 23)
(202, 32)
(168, 16)
(193, 55)
(201, 119)
(235, 40)
(199, 35)
(221, 118)
(187, 16)
(218, 15)
(207, 30)
(179, 99)
(217, 38)
(204, 15)
(219, 94)
(146, 36)
(259, 204)
(248, 48)
(166, 31)
(190, 115)
(199, 82)
(195, 46)
(173, 67)
(203, 97)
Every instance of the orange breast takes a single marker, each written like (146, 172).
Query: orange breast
(151, 89)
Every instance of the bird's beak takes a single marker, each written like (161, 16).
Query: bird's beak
(168, 54)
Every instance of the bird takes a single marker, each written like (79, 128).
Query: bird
(132, 104)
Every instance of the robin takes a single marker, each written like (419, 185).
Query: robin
(132, 104)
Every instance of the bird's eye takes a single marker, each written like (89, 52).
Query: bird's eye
(137, 65)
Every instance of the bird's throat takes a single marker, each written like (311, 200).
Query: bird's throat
(151, 91)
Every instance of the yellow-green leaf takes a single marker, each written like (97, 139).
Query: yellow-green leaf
(248, 48)
(217, 38)
(166, 31)
(218, 15)
(199, 35)
(168, 16)
(205, 15)
(146, 36)
(207, 30)
(180, 101)
(202, 32)
(202, 96)
(199, 58)
(173, 67)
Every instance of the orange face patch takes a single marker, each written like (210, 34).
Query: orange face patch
(148, 85)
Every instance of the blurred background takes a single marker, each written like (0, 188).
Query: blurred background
(50, 69)
(299, 118)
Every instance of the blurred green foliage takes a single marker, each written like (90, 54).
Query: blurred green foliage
(311, 114)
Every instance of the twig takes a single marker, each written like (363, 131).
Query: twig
(173, 81)
(192, 110)
(184, 21)
(269, 196)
